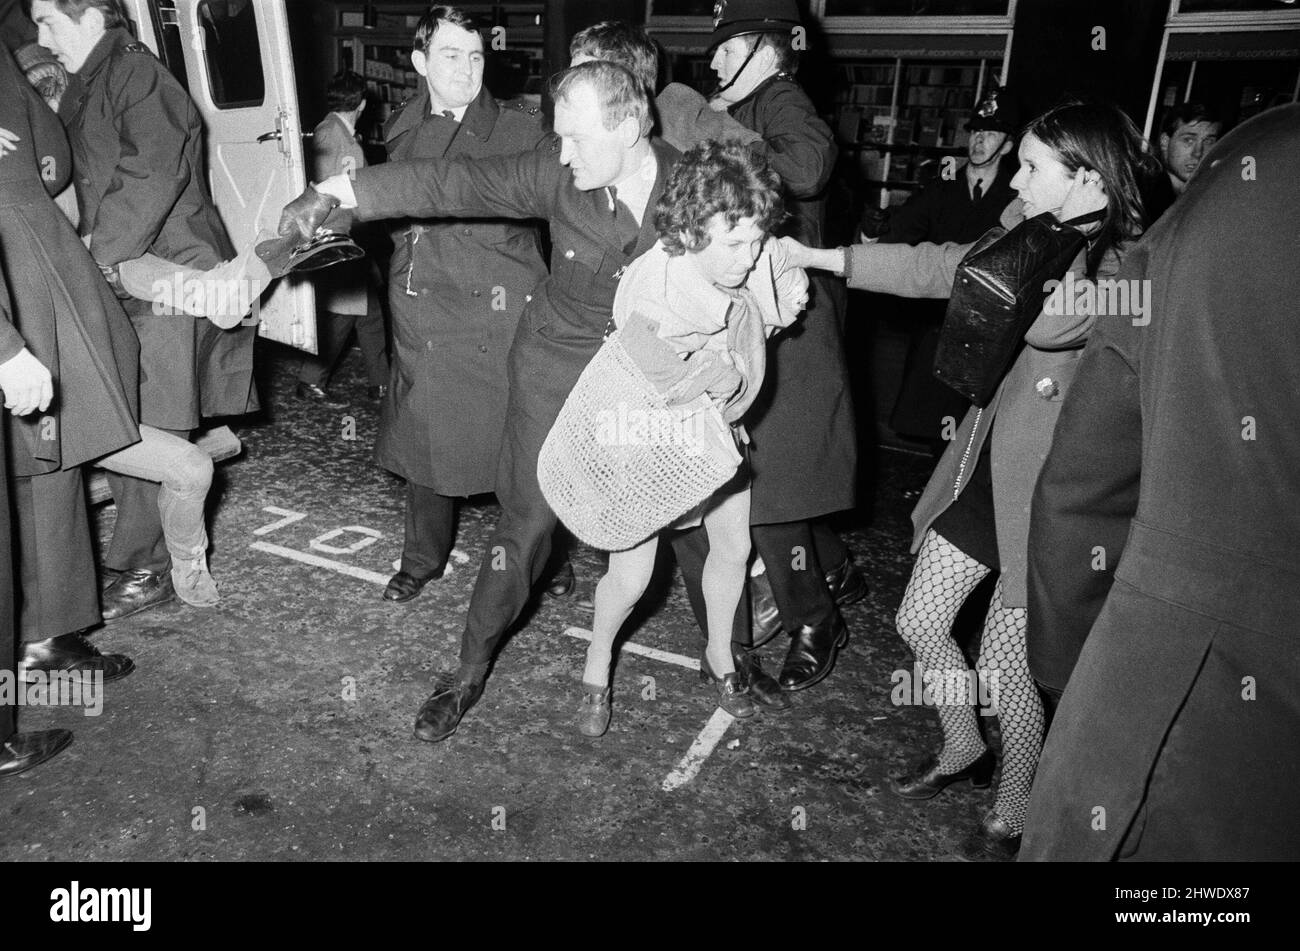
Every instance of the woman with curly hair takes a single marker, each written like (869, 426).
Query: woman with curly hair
(973, 517)
(708, 293)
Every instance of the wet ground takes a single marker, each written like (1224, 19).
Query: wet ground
(278, 724)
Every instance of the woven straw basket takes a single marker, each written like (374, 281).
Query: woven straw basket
(620, 464)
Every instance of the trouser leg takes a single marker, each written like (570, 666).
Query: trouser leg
(831, 550)
(331, 333)
(430, 528)
(798, 581)
(372, 340)
(56, 565)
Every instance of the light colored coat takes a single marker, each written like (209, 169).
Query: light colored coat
(1020, 417)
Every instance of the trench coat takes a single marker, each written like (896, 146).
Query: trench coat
(1022, 414)
(803, 453)
(59, 305)
(140, 176)
(456, 292)
(1181, 719)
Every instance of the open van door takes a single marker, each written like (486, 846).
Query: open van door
(235, 59)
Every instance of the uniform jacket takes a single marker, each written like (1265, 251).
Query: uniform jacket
(58, 306)
(566, 315)
(137, 145)
(1181, 718)
(334, 151)
(1020, 417)
(456, 290)
(804, 452)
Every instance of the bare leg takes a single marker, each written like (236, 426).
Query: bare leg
(616, 595)
(725, 570)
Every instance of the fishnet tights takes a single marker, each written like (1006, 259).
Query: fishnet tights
(942, 579)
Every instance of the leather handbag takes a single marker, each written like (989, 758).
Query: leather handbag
(998, 293)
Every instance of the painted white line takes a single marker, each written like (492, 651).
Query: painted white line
(690, 764)
(352, 571)
(681, 660)
(704, 744)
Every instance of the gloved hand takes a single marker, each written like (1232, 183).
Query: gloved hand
(654, 357)
(302, 216)
(50, 80)
(707, 371)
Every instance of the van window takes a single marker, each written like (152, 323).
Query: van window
(233, 53)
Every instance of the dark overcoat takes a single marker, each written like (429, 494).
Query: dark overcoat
(1176, 736)
(804, 451)
(137, 145)
(59, 304)
(456, 290)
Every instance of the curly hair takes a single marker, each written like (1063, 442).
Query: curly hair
(716, 178)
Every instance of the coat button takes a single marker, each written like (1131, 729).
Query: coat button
(482, 348)
(1047, 388)
(467, 231)
(477, 293)
(569, 254)
(528, 298)
(428, 345)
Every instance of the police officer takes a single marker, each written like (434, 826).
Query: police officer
(597, 189)
(456, 290)
(804, 450)
(139, 174)
(959, 207)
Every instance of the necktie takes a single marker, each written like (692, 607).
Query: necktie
(978, 191)
(449, 114)
(625, 226)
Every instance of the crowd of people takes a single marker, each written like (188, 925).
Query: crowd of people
(1129, 484)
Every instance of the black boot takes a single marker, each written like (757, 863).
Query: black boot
(813, 649)
(767, 619)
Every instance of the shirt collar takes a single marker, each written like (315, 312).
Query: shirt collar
(634, 190)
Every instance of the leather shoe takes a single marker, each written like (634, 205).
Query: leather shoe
(846, 583)
(403, 586)
(441, 713)
(733, 696)
(767, 619)
(992, 841)
(136, 590)
(926, 782)
(22, 751)
(562, 582)
(763, 688)
(813, 649)
(75, 654)
(315, 394)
